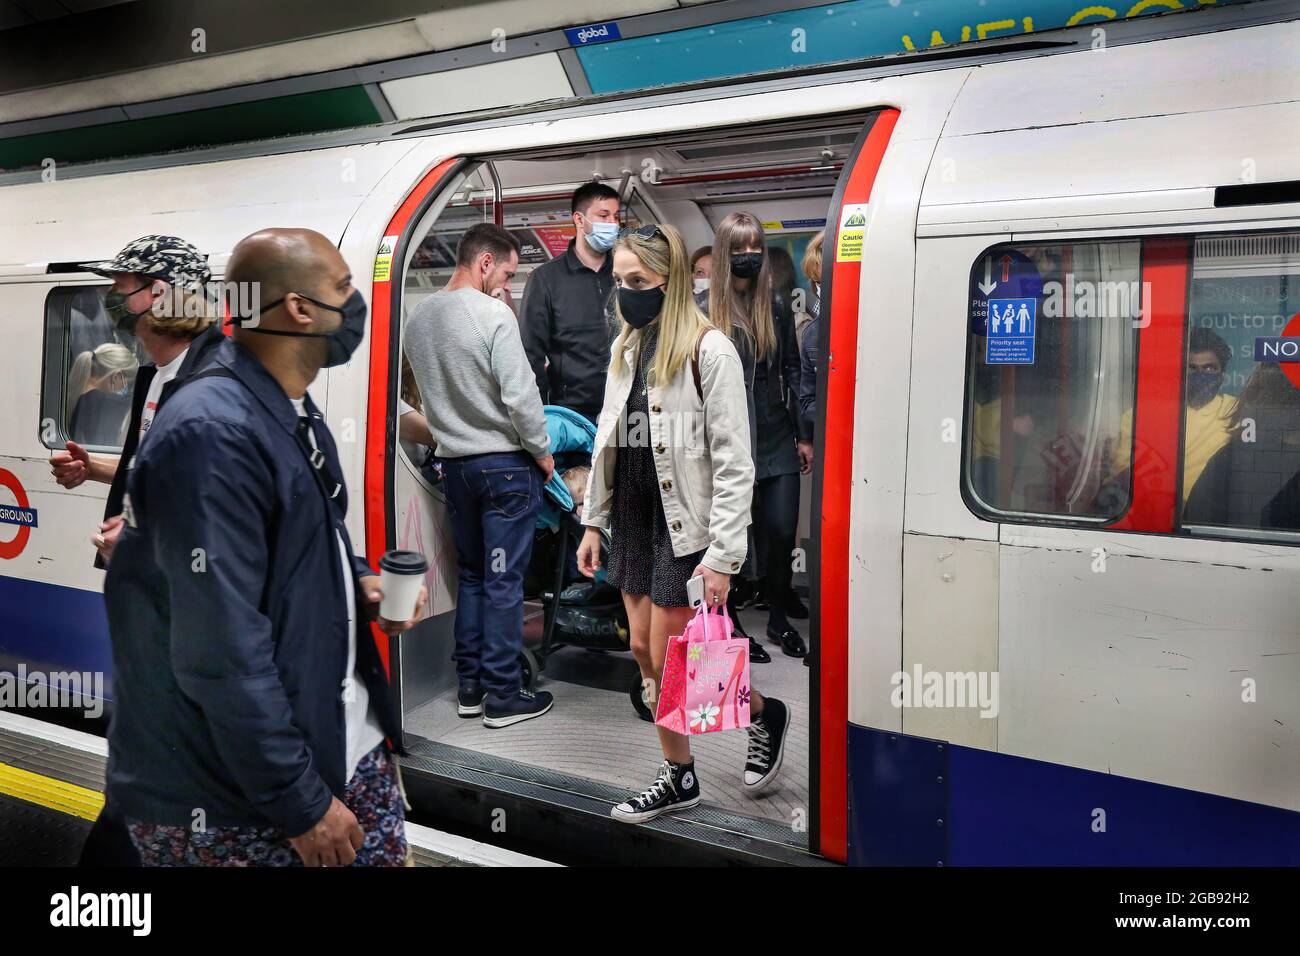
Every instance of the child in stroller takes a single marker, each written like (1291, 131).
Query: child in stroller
(579, 612)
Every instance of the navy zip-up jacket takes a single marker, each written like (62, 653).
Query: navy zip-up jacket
(228, 614)
(200, 352)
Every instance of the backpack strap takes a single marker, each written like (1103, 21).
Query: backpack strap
(695, 364)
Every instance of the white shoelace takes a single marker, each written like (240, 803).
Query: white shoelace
(760, 744)
(662, 784)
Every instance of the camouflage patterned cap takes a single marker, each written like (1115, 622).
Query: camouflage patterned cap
(173, 260)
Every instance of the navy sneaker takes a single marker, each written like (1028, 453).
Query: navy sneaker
(523, 706)
(766, 744)
(676, 788)
(469, 699)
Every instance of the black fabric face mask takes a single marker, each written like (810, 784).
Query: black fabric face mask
(343, 341)
(746, 265)
(1202, 386)
(123, 319)
(640, 307)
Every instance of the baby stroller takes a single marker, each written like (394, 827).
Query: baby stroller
(578, 612)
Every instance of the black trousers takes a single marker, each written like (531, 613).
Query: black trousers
(776, 522)
(109, 843)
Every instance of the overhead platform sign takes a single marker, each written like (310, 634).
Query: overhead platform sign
(593, 33)
(843, 31)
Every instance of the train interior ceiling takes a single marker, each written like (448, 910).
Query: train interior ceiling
(785, 175)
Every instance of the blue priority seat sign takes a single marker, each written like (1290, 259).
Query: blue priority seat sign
(1011, 327)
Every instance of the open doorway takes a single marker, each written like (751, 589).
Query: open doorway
(786, 176)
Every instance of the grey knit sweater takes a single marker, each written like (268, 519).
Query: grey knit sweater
(479, 392)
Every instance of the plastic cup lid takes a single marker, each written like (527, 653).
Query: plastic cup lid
(403, 562)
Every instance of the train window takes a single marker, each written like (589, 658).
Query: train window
(1051, 379)
(90, 370)
(1241, 462)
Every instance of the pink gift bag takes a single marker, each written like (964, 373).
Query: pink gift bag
(705, 685)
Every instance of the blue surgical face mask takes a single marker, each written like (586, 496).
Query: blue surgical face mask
(602, 236)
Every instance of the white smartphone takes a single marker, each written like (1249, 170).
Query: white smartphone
(695, 590)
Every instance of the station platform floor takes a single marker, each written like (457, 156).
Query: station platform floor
(51, 792)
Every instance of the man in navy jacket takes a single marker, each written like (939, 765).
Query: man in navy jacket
(250, 716)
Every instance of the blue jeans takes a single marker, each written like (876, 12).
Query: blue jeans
(492, 501)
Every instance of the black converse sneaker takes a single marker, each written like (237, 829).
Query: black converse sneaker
(676, 788)
(766, 744)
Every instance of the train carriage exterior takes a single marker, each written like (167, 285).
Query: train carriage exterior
(1146, 707)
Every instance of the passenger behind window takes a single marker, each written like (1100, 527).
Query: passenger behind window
(1209, 413)
(1253, 481)
(99, 394)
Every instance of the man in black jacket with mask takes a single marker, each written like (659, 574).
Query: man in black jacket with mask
(252, 704)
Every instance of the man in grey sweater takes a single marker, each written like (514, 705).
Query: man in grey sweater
(485, 415)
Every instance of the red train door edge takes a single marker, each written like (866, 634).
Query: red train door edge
(1157, 425)
(381, 419)
(831, 705)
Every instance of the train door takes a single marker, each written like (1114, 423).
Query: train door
(595, 747)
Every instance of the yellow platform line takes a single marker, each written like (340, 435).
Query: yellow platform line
(48, 792)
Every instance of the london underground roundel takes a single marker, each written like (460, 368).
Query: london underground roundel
(16, 513)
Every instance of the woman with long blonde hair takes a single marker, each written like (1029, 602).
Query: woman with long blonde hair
(672, 477)
(99, 394)
(743, 303)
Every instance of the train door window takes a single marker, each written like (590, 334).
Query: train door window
(90, 371)
(1051, 379)
(1241, 461)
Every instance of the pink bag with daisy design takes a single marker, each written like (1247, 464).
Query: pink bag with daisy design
(705, 684)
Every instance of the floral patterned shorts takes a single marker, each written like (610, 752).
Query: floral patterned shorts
(373, 794)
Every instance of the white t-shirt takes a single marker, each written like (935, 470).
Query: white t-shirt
(164, 375)
(360, 722)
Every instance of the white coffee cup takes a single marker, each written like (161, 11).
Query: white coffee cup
(400, 575)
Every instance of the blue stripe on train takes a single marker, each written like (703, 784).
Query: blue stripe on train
(920, 802)
(50, 628)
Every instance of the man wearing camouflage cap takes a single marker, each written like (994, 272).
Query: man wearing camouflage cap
(159, 295)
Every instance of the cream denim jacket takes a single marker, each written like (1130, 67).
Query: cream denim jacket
(701, 452)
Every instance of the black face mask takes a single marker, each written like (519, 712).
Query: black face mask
(746, 265)
(344, 340)
(1202, 386)
(640, 307)
(123, 319)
